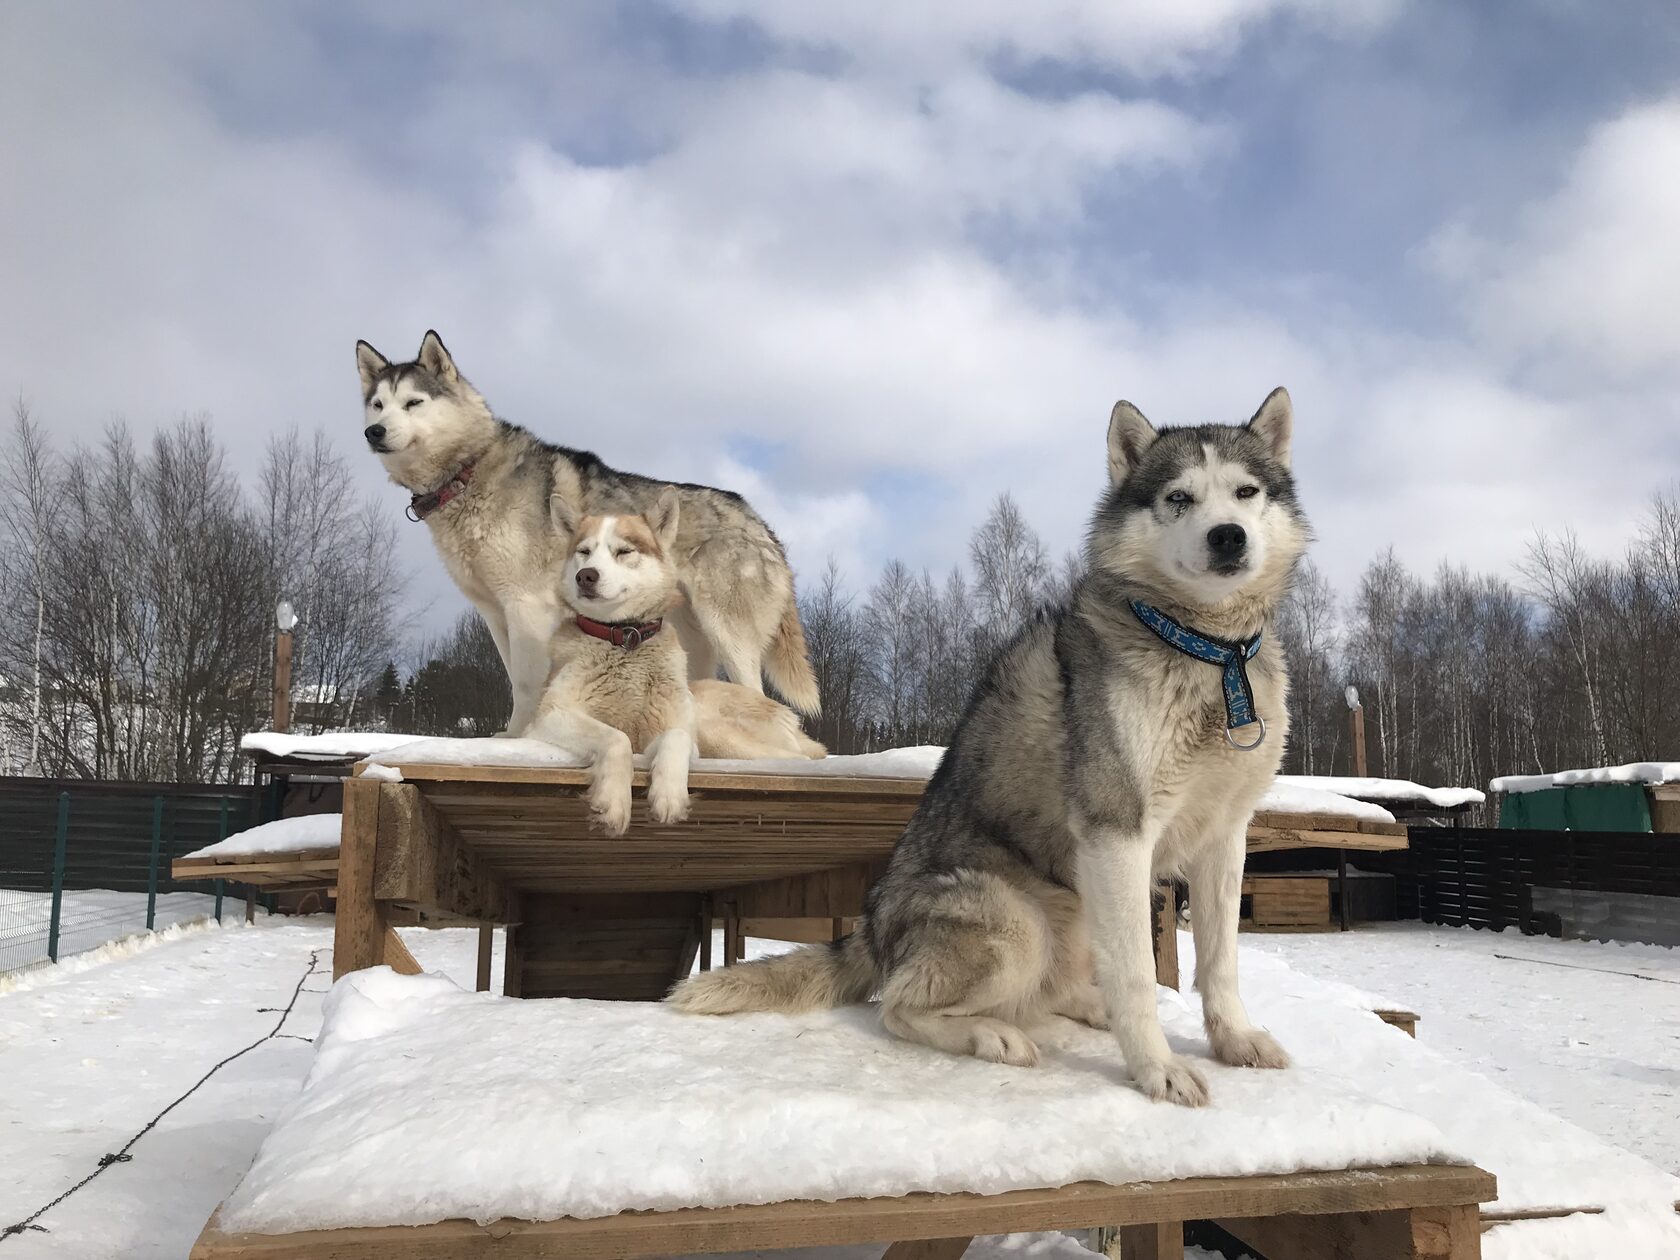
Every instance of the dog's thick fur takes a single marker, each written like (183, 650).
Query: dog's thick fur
(608, 701)
(425, 421)
(1091, 761)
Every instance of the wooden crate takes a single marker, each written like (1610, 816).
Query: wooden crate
(1288, 900)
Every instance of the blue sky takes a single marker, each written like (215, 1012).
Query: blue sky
(873, 264)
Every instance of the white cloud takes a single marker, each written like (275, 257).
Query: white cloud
(1589, 272)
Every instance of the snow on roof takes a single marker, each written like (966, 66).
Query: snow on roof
(1401, 792)
(284, 835)
(1636, 772)
(499, 1100)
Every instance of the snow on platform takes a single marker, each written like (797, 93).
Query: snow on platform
(585, 1109)
(333, 746)
(1402, 792)
(1642, 772)
(285, 835)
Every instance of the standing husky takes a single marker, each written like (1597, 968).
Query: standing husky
(483, 487)
(1121, 739)
(620, 679)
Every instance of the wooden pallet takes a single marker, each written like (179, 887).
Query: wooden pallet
(1416, 1212)
(1287, 900)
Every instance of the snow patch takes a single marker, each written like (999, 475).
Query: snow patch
(284, 835)
(1388, 791)
(113, 951)
(333, 746)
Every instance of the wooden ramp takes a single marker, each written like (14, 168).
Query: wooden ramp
(1416, 1212)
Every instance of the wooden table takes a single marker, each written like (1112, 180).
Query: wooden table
(1412, 1212)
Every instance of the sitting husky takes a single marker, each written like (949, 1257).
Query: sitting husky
(482, 487)
(620, 678)
(1123, 738)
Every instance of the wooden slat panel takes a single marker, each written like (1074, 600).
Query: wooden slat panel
(851, 1221)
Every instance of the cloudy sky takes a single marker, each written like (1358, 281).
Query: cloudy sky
(873, 263)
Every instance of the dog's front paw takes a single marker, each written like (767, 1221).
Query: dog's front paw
(1247, 1047)
(1173, 1080)
(609, 804)
(667, 804)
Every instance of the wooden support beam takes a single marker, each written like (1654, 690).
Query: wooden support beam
(360, 925)
(706, 932)
(486, 947)
(397, 957)
(731, 932)
(421, 861)
(927, 1249)
(1165, 911)
(1425, 1233)
(1405, 1021)
(1163, 1240)
(513, 962)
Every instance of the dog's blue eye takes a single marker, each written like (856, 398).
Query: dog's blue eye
(1247, 492)
(411, 404)
(1180, 498)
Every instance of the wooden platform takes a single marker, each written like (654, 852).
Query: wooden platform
(624, 917)
(1373, 1214)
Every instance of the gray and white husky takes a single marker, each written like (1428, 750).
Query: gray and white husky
(1120, 739)
(483, 488)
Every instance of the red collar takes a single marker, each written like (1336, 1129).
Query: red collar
(627, 635)
(423, 505)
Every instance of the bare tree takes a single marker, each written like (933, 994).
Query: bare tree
(26, 477)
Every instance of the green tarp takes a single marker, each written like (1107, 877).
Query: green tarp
(1594, 807)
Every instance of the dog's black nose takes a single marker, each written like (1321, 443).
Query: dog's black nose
(1227, 540)
(374, 433)
(586, 579)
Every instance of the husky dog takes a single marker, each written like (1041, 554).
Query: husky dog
(620, 686)
(483, 485)
(1123, 738)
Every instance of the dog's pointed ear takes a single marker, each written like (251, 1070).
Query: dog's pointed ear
(434, 357)
(1274, 423)
(369, 363)
(563, 515)
(662, 518)
(1129, 436)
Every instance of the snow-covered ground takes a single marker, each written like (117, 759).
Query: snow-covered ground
(89, 918)
(102, 1050)
(1589, 1031)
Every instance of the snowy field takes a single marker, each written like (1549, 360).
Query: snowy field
(105, 1046)
(1589, 1031)
(89, 918)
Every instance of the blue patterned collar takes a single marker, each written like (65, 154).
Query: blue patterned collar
(1232, 659)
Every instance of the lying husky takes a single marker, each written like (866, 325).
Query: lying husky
(620, 678)
(1115, 741)
(482, 486)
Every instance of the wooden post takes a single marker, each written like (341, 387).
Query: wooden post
(1164, 909)
(706, 932)
(1161, 1241)
(731, 932)
(1356, 733)
(359, 933)
(486, 943)
(281, 704)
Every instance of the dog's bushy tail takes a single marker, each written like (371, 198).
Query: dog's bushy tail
(789, 663)
(815, 978)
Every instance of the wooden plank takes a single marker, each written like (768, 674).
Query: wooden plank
(359, 925)
(1273, 839)
(1163, 1240)
(1405, 1021)
(927, 1249)
(836, 892)
(513, 961)
(1449, 1232)
(1083, 1205)
(698, 781)
(806, 931)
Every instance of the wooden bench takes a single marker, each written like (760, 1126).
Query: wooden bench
(1412, 1212)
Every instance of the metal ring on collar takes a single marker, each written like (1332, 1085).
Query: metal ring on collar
(1247, 747)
